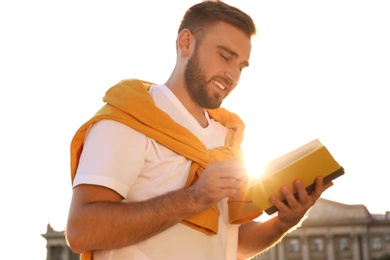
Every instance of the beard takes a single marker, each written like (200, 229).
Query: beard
(196, 83)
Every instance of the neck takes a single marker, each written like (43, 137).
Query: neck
(179, 90)
(202, 120)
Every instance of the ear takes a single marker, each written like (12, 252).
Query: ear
(185, 41)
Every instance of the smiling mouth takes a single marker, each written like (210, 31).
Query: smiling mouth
(219, 85)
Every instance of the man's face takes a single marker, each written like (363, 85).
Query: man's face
(215, 66)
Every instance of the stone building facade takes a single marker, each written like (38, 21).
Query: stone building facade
(333, 231)
(56, 246)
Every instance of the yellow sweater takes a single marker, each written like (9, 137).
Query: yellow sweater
(129, 102)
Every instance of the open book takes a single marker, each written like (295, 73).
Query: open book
(306, 162)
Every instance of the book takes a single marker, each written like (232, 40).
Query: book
(306, 163)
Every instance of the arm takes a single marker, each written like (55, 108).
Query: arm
(256, 237)
(98, 219)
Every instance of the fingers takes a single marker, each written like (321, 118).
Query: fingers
(321, 187)
(230, 177)
(220, 180)
(300, 200)
(302, 194)
(295, 206)
(228, 173)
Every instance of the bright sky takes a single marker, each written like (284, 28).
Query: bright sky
(319, 69)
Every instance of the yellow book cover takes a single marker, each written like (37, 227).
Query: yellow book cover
(306, 162)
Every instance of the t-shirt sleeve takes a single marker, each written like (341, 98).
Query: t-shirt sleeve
(113, 156)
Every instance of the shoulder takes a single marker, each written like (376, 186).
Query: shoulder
(114, 132)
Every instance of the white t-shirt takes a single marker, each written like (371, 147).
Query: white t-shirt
(138, 168)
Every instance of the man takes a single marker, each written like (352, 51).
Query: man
(158, 172)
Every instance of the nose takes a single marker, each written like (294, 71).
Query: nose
(233, 77)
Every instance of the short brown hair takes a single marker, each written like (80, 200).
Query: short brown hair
(203, 15)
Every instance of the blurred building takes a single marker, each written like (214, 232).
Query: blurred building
(333, 231)
(57, 248)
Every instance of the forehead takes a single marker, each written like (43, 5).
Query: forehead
(223, 34)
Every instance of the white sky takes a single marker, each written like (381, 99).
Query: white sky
(319, 69)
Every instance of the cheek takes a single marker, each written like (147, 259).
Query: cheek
(208, 61)
(208, 66)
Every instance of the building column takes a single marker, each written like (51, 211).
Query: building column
(305, 248)
(365, 247)
(329, 248)
(280, 248)
(272, 253)
(66, 253)
(355, 247)
(48, 253)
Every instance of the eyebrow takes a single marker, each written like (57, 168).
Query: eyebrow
(233, 53)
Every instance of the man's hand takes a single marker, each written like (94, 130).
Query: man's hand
(218, 181)
(256, 237)
(292, 212)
